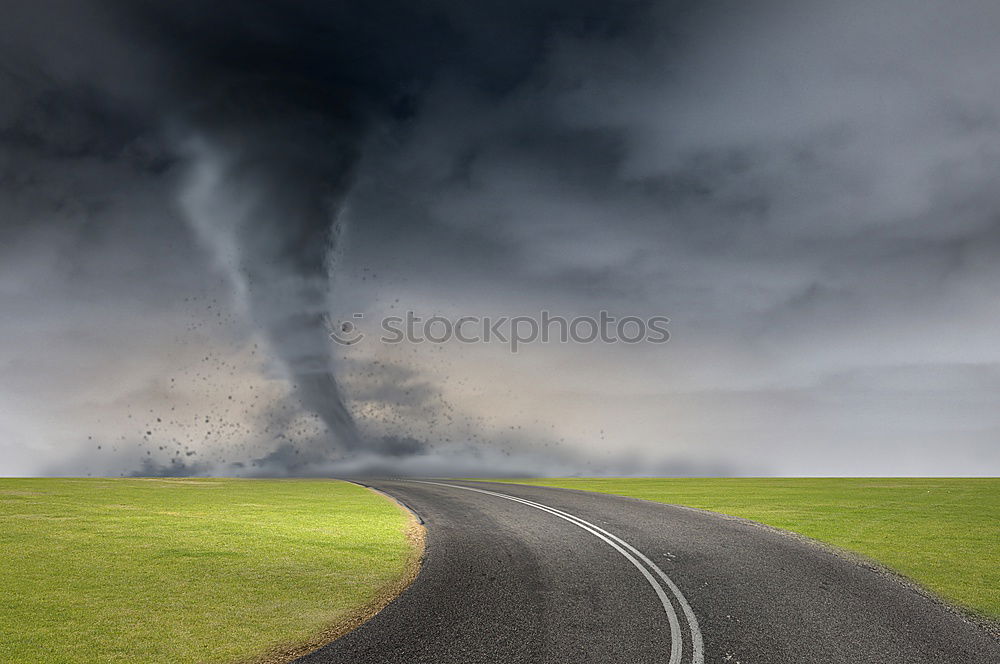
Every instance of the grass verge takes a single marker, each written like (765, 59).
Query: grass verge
(193, 570)
(942, 533)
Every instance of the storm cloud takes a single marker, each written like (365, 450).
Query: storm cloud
(190, 196)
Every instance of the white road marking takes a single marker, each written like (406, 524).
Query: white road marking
(624, 548)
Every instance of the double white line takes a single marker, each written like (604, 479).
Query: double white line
(647, 567)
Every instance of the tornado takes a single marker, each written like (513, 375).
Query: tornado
(265, 185)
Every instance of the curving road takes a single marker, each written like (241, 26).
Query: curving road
(528, 574)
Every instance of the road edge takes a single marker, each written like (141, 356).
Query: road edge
(416, 534)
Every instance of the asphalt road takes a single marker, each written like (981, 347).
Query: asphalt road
(577, 577)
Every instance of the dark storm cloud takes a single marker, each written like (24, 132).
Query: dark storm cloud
(807, 190)
(277, 101)
(265, 108)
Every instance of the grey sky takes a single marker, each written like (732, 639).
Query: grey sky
(806, 189)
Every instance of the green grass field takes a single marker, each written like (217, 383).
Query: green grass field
(171, 570)
(942, 533)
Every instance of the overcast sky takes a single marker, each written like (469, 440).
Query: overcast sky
(192, 194)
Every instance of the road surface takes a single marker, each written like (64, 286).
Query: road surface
(535, 575)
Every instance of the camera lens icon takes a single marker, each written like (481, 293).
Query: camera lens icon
(346, 333)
